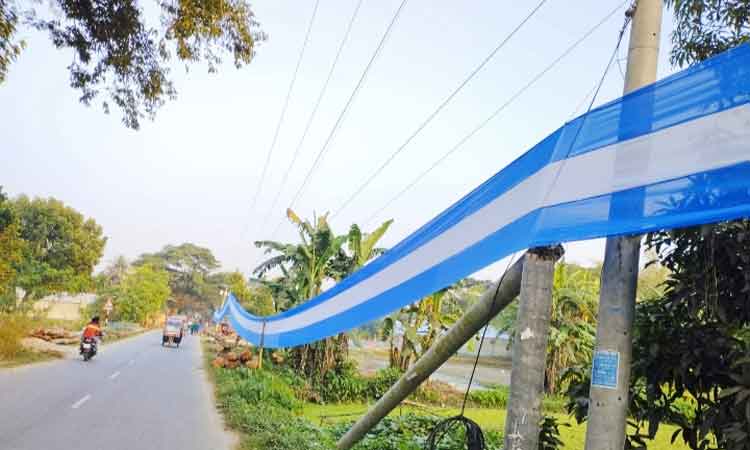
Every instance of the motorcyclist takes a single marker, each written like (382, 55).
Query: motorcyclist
(92, 331)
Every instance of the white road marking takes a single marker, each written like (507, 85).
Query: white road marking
(114, 375)
(80, 402)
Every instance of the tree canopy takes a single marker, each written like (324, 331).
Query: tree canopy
(704, 28)
(691, 340)
(188, 265)
(190, 274)
(142, 294)
(60, 247)
(11, 247)
(119, 57)
(257, 299)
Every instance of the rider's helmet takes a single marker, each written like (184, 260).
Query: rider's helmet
(95, 319)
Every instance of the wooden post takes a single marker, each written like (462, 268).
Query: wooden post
(260, 351)
(530, 349)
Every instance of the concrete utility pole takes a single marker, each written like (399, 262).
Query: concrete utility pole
(530, 349)
(494, 300)
(608, 405)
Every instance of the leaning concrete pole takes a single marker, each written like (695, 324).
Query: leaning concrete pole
(608, 405)
(530, 349)
(492, 302)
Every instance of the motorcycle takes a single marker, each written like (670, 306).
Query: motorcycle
(88, 348)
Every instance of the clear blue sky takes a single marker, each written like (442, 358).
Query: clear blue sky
(190, 175)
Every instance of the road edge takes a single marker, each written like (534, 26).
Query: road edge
(211, 387)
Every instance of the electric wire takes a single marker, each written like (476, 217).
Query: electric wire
(440, 107)
(312, 116)
(284, 108)
(473, 432)
(348, 103)
(474, 437)
(495, 113)
(628, 18)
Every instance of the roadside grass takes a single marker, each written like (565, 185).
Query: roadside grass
(573, 436)
(13, 328)
(25, 357)
(265, 408)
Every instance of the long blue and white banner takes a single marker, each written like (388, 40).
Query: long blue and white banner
(672, 154)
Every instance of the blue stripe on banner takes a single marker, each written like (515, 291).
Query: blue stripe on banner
(679, 202)
(719, 84)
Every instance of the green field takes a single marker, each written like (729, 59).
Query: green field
(489, 419)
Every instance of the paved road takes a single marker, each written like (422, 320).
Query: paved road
(134, 395)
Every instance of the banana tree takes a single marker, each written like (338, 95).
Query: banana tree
(421, 324)
(306, 263)
(362, 247)
(304, 267)
(573, 323)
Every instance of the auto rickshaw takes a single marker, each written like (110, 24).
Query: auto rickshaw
(173, 331)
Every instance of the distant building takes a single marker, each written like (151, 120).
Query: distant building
(65, 306)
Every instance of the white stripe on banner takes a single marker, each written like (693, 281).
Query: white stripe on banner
(706, 135)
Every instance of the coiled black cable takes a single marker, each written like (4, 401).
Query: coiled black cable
(474, 435)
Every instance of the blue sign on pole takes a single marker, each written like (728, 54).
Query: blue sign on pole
(605, 369)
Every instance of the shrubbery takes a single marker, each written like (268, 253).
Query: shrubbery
(265, 405)
(410, 432)
(257, 387)
(347, 385)
(262, 405)
(13, 328)
(497, 397)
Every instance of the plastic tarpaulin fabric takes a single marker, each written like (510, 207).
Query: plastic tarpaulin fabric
(672, 154)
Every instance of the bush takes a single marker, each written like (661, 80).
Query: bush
(347, 385)
(343, 384)
(410, 432)
(495, 397)
(261, 405)
(554, 404)
(256, 387)
(271, 428)
(381, 382)
(549, 433)
(13, 328)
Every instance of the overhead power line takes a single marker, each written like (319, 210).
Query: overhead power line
(281, 117)
(440, 107)
(495, 113)
(348, 103)
(628, 17)
(312, 116)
